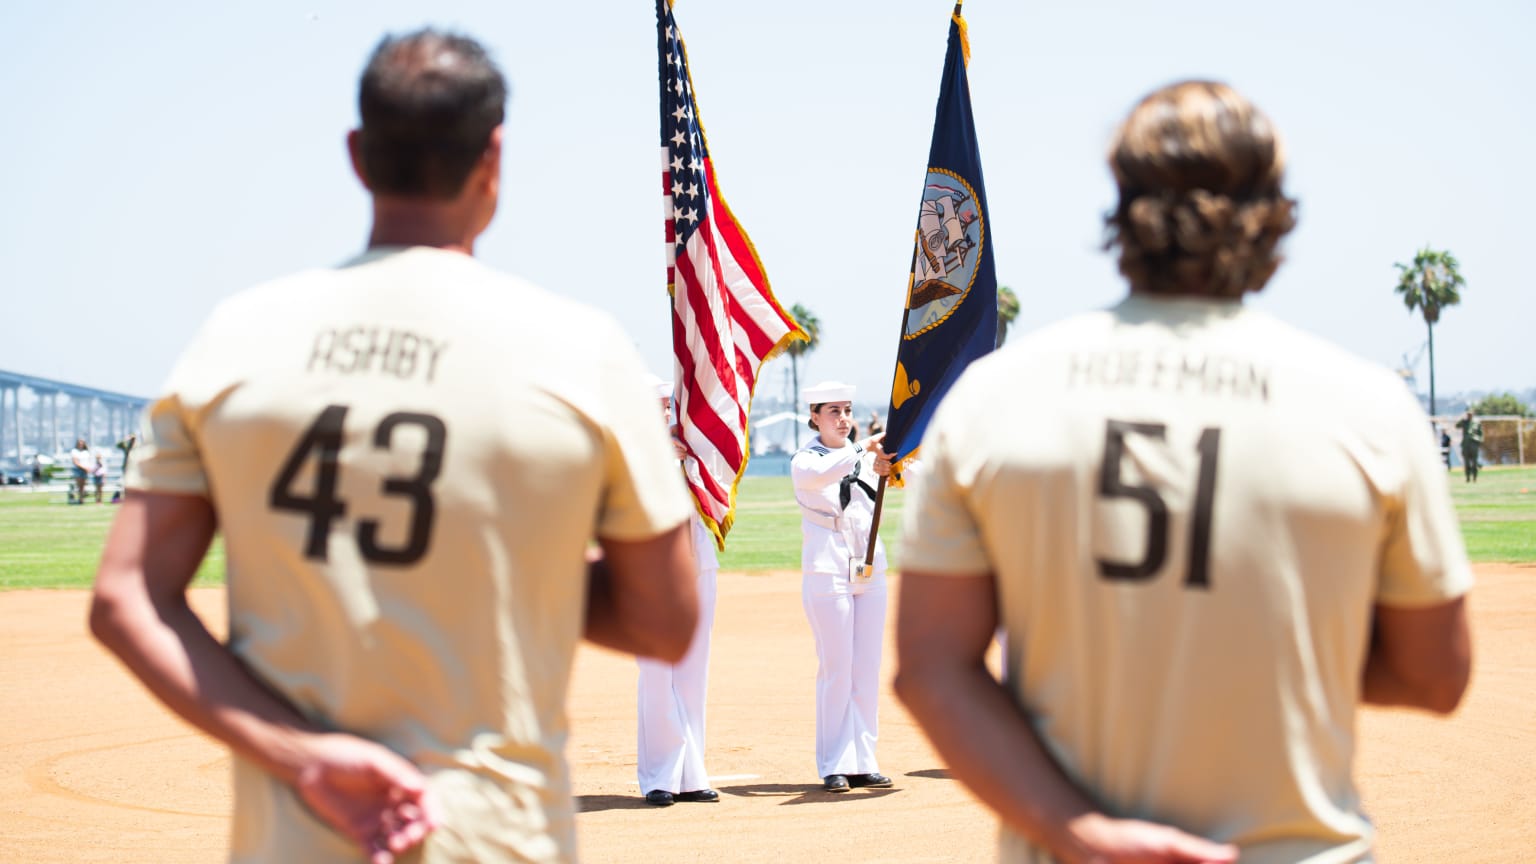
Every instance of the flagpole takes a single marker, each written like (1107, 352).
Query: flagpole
(874, 524)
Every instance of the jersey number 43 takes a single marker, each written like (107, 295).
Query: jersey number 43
(322, 442)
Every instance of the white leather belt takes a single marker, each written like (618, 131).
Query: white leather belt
(831, 523)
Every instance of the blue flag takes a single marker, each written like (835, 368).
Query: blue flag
(951, 312)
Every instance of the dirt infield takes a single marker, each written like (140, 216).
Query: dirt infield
(93, 770)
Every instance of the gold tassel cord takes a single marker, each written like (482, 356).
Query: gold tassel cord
(965, 40)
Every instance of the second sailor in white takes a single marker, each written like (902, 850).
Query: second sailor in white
(835, 481)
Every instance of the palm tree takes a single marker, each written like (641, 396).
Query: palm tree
(812, 327)
(1433, 282)
(1007, 310)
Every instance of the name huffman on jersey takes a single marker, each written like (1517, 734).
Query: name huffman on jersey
(1172, 371)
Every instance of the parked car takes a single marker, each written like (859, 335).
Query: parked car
(12, 473)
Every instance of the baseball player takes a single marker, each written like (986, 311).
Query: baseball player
(834, 482)
(405, 534)
(1200, 582)
(672, 695)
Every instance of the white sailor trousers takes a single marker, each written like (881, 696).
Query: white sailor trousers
(671, 709)
(848, 621)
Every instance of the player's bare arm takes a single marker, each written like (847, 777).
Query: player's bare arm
(944, 625)
(643, 597)
(139, 611)
(1419, 658)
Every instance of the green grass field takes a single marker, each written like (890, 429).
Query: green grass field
(45, 543)
(1498, 514)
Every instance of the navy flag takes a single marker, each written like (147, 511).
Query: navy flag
(951, 311)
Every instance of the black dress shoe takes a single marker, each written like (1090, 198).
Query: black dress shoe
(869, 781)
(835, 783)
(659, 798)
(701, 795)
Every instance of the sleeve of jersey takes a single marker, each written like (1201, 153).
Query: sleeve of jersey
(1423, 559)
(168, 458)
(645, 495)
(940, 534)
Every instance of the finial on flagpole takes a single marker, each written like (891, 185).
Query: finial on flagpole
(965, 40)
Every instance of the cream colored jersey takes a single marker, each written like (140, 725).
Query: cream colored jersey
(1190, 509)
(408, 456)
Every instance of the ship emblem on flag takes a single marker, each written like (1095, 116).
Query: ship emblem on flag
(726, 322)
(950, 234)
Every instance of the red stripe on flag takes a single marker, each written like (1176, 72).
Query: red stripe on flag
(745, 372)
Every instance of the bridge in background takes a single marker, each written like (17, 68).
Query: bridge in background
(102, 417)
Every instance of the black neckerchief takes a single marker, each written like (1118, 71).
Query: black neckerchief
(845, 487)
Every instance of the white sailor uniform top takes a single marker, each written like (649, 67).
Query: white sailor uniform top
(836, 493)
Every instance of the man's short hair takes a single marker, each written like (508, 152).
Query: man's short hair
(1201, 211)
(429, 101)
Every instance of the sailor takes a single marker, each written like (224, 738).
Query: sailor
(671, 695)
(844, 599)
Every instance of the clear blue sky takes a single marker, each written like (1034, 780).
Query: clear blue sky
(161, 156)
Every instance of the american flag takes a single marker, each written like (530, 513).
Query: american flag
(725, 320)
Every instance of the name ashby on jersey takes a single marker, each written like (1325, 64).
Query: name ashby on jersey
(1178, 372)
(365, 348)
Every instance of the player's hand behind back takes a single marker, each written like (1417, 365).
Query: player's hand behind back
(369, 793)
(1102, 840)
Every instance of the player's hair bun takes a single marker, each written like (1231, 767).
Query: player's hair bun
(1200, 242)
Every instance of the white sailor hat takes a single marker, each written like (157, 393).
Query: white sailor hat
(827, 391)
(662, 386)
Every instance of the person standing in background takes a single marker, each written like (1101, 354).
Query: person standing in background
(1471, 445)
(672, 696)
(844, 598)
(99, 472)
(82, 465)
(126, 445)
